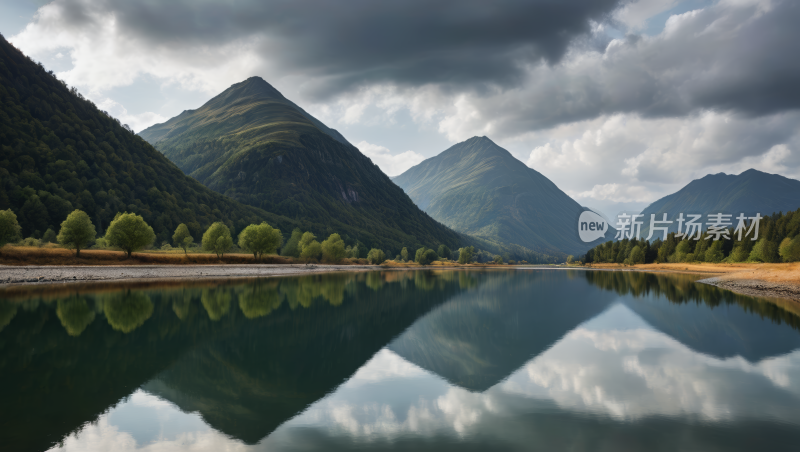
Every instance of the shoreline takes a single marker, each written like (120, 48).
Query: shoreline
(759, 280)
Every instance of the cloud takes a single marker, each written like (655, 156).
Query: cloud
(136, 122)
(341, 46)
(391, 164)
(627, 157)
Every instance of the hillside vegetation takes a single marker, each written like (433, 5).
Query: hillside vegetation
(59, 152)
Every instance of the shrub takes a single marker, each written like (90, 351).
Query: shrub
(376, 256)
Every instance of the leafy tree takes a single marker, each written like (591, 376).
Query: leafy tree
(418, 255)
(129, 232)
(465, 254)
(292, 247)
(77, 231)
(49, 236)
(714, 253)
(427, 257)
(570, 259)
(311, 250)
(305, 240)
(498, 259)
(333, 249)
(217, 238)
(376, 256)
(182, 238)
(444, 251)
(9, 228)
(404, 254)
(260, 239)
(790, 249)
(637, 255)
(764, 251)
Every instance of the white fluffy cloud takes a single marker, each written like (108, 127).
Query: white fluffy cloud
(391, 164)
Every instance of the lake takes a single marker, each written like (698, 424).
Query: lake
(516, 359)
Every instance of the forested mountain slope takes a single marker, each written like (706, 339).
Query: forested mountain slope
(58, 152)
(254, 145)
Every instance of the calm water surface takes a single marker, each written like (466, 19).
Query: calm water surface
(413, 360)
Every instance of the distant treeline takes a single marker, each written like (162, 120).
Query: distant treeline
(778, 241)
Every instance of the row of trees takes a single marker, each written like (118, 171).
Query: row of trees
(129, 232)
(778, 241)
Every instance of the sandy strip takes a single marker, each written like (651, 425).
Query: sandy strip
(56, 274)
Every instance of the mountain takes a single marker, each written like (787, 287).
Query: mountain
(478, 188)
(58, 152)
(751, 192)
(256, 146)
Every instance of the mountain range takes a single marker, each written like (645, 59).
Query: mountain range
(254, 145)
(478, 188)
(750, 192)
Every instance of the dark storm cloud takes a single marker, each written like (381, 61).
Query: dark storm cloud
(362, 42)
(738, 57)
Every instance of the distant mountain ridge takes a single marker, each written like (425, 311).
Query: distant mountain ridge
(256, 146)
(750, 192)
(478, 188)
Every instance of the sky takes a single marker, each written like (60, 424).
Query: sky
(618, 102)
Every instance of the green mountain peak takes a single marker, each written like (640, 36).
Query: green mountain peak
(479, 188)
(254, 145)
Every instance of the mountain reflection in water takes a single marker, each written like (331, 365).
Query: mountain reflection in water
(518, 359)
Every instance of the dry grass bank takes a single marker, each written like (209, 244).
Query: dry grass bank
(30, 255)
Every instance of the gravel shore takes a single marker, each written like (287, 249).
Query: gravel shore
(756, 287)
(56, 274)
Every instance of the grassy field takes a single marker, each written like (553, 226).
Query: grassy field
(30, 255)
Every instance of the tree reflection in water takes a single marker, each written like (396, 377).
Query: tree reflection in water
(127, 311)
(75, 314)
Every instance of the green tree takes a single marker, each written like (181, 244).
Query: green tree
(182, 238)
(418, 255)
(465, 254)
(570, 259)
(129, 232)
(790, 249)
(217, 239)
(427, 257)
(404, 254)
(49, 236)
(305, 240)
(9, 228)
(444, 251)
(714, 253)
(311, 250)
(77, 231)
(637, 255)
(764, 251)
(376, 256)
(260, 239)
(333, 249)
(292, 247)
(499, 259)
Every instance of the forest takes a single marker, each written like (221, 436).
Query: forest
(778, 241)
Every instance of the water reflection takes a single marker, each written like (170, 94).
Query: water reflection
(519, 360)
